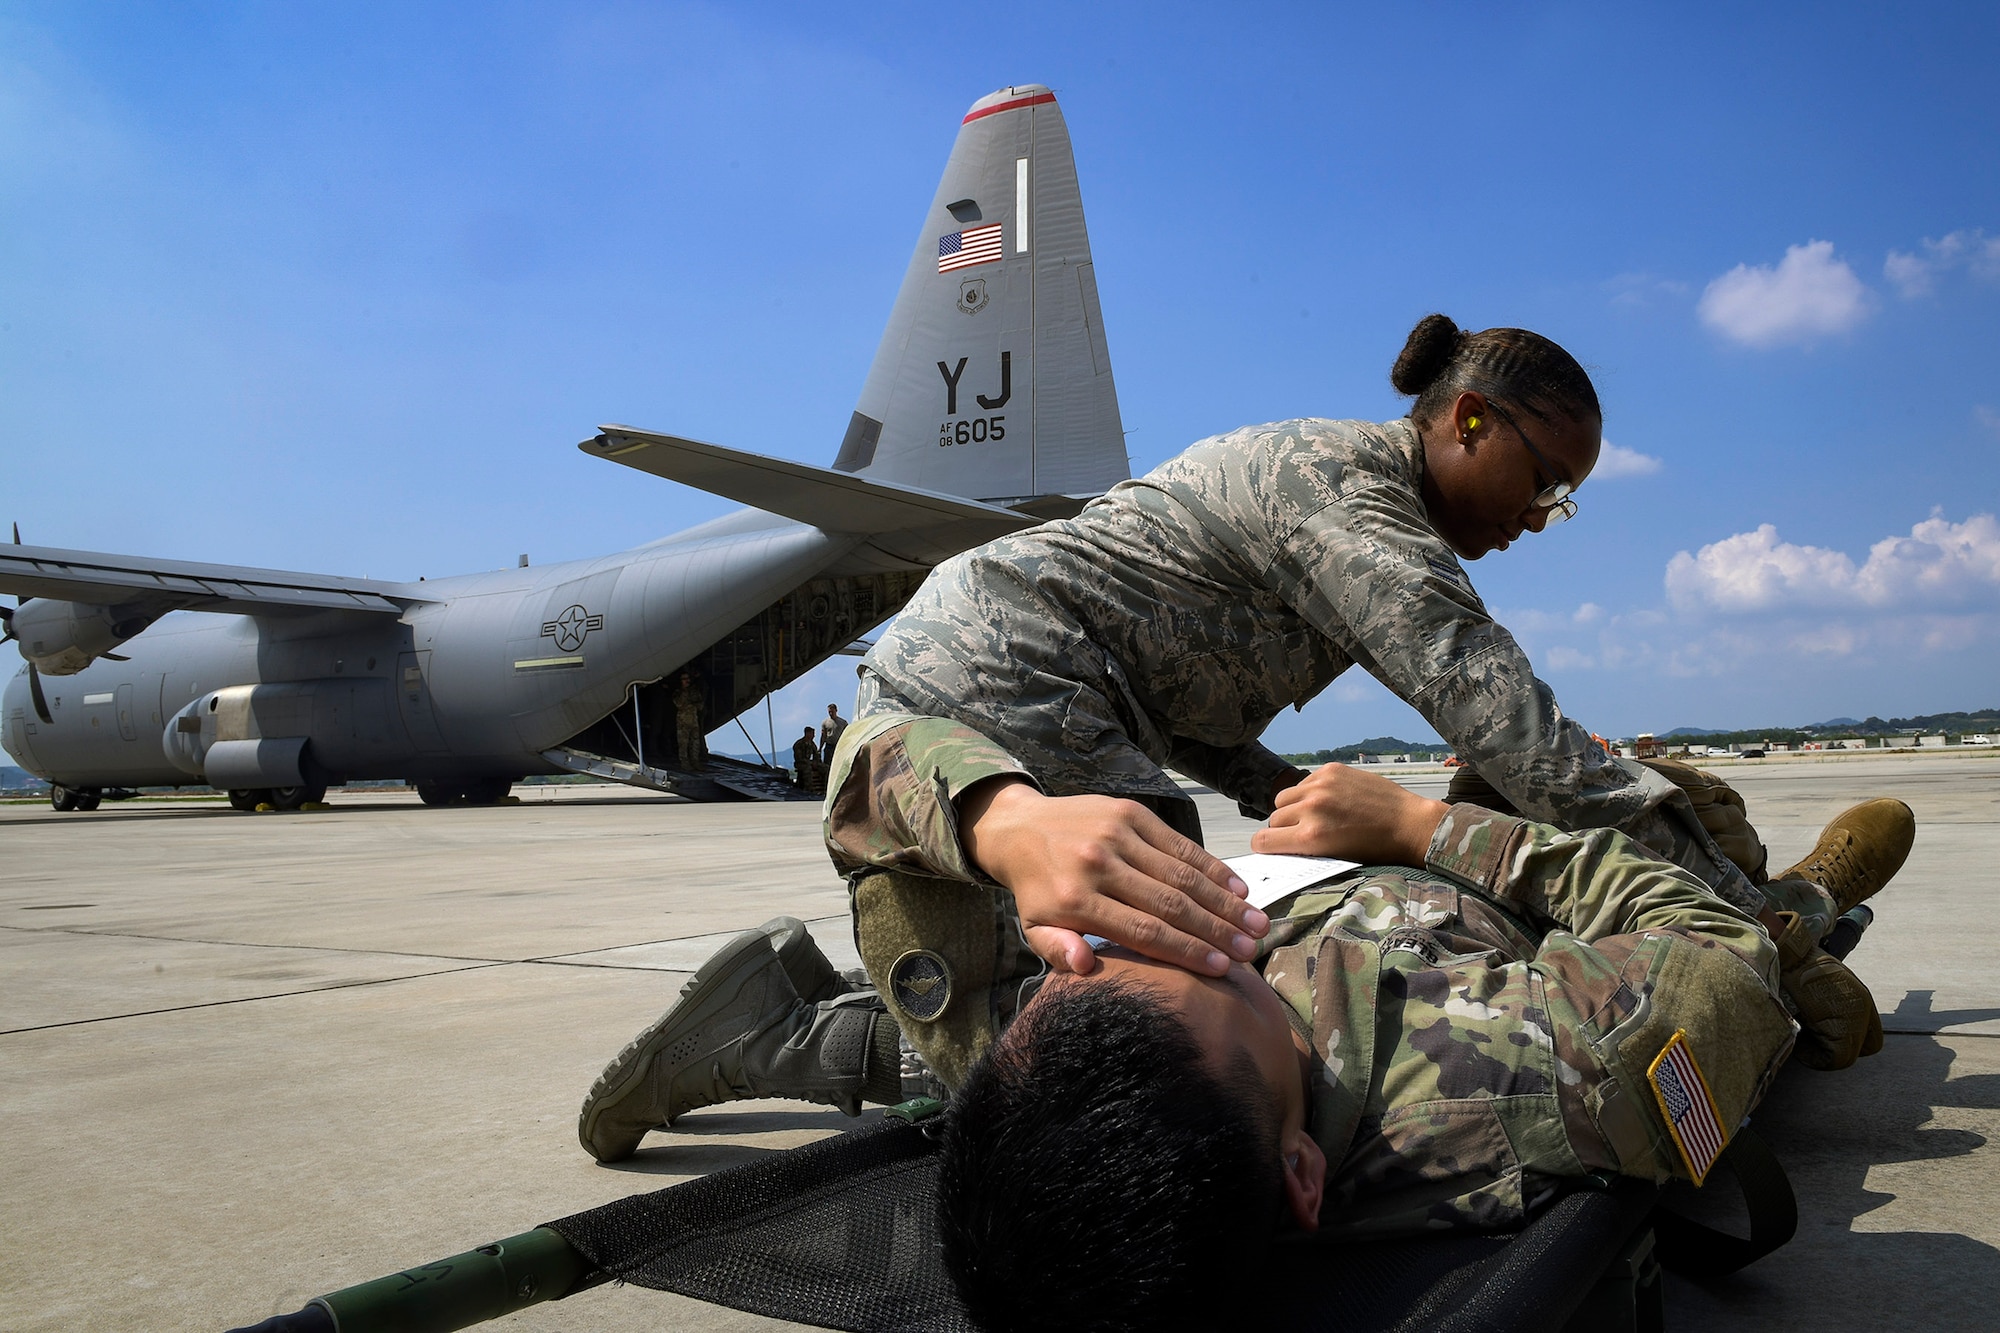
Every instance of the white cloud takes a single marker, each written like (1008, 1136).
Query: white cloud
(1754, 602)
(1616, 461)
(1912, 274)
(1940, 564)
(1987, 417)
(1916, 274)
(1808, 295)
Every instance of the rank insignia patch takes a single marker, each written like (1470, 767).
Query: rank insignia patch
(921, 983)
(1690, 1110)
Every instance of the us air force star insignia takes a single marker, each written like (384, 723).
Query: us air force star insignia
(569, 628)
(972, 296)
(921, 983)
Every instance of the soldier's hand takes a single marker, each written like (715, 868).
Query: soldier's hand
(1098, 865)
(1343, 812)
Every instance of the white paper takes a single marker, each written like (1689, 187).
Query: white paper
(1272, 877)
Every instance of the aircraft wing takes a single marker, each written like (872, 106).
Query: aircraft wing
(109, 580)
(917, 524)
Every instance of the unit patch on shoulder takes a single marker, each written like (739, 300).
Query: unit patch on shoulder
(920, 981)
(1690, 1111)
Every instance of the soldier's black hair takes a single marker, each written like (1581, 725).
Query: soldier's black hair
(1439, 361)
(1096, 1174)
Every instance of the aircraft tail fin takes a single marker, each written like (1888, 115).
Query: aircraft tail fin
(993, 380)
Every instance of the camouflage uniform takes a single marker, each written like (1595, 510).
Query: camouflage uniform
(1483, 1027)
(1176, 616)
(688, 743)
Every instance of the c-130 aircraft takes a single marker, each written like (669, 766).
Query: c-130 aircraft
(989, 407)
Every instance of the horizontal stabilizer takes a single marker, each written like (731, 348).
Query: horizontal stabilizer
(838, 502)
(99, 579)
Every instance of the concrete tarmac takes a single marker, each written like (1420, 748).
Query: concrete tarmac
(245, 1059)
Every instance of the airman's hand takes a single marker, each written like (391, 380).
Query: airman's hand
(1098, 865)
(1340, 811)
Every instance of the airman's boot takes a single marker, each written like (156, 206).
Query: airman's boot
(741, 1029)
(1859, 851)
(810, 972)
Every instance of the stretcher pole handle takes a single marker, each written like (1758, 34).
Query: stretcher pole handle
(453, 1293)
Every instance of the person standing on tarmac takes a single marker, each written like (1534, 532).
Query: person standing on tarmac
(806, 762)
(688, 730)
(1003, 793)
(829, 732)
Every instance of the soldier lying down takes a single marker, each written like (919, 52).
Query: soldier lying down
(1440, 1040)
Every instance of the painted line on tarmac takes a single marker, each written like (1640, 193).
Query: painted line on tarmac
(253, 999)
(254, 944)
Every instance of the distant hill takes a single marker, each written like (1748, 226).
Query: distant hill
(14, 779)
(1985, 719)
(1927, 724)
(1347, 754)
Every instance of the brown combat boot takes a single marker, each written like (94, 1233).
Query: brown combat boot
(1859, 851)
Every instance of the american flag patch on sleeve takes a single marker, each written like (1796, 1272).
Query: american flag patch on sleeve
(1690, 1110)
(974, 245)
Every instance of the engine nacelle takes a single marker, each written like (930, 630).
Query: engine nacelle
(245, 736)
(62, 638)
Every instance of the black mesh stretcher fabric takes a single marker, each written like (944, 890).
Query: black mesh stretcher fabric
(839, 1234)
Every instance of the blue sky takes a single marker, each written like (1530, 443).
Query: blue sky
(339, 287)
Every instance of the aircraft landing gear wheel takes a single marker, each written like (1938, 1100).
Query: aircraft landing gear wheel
(67, 799)
(490, 792)
(248, 799)
(88, 800)
(487, 791)
(291, 798)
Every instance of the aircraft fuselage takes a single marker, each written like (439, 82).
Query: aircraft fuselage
(476, 681)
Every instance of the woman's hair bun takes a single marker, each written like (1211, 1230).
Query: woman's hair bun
(1426, 352)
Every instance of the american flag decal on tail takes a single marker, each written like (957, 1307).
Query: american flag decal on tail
(1690, 1110)
(974, 245)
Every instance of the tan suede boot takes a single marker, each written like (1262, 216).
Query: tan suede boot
(1859, 851)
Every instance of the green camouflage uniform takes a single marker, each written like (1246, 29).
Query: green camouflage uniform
(1176, 616)
(1484, 1027)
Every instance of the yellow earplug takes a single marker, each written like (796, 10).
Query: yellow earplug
(1472, 423)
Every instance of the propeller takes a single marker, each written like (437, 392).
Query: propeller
(34, 676)
(41, 700)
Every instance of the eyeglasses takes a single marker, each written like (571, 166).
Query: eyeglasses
(1554, 497)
